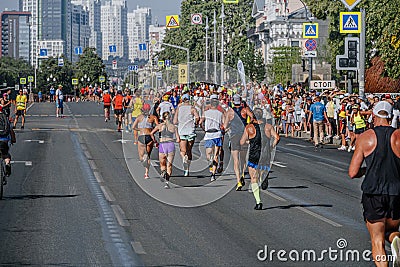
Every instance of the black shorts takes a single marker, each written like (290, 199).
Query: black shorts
(118, 112)
(145, 139)
(107, 106)
(20, 112)
(359, 131)
(4, 149)
(377, 207)
(235, 143)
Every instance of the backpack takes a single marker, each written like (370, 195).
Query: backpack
(4, 125)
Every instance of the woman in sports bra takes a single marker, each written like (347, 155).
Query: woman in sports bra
(144, 125)
(166, 150)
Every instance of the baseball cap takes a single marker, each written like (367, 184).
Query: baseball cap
(185, 97)
(346, 94)
(236, 99)
(166, 97)
(383, 106)
(214, 97)
(355, 106)
(387, 96)
(370, 96)
(146, 107)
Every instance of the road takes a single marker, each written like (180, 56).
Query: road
(76, 198)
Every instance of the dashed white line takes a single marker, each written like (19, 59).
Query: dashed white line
(107, 193)
(120, 215)
(331, 166)
(138, 248)
(279, 164)
(297, 156)
(98, 177)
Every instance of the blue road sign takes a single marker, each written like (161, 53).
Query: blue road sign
(113, 48)
(78, 50)
(168, 63)
(135, 67)
(350, 22)
(132, 67)
(310, 30)
(60, 62)
(142, 47)
(43, 52)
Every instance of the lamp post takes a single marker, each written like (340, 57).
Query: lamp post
(187, 59)
(310, 70)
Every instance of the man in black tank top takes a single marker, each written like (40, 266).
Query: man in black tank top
(380, 148)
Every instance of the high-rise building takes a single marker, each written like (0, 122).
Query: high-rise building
(138, 32)
(94, 8)
(114, 29)
(54, 21)
(15, 35)
(157, 34)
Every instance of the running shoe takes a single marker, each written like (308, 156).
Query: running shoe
(4, 180)
(220, 167)
(22, 127)
(162, 176)
(239, 186)
(242, 181)
(212, 177)
(349, 149)
(166, 186)
(144, 161)
(146, 176)
(395, 246)
(186, 173)
(258, 206)
(265, 183)
(185, 162)
(8, 170)
(342, 148)
(353, 148)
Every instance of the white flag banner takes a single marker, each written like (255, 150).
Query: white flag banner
(240, 67)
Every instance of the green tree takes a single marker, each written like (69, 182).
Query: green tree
(280, 70)
(253, 64)
(60, 75)
(11, 70)
(90, 64)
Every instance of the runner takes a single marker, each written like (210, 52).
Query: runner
(6, 135)
(6, 105)
(359, 124)
(144, 125)
(127, 110)
(59, 102)
(186, 116)
(380, 149)
(118, 109)
(165, 106)
(235, 123)
(107, 105)
(213, 120)
(166, 147)
(253, 136)
(20, 109)
(137, 105)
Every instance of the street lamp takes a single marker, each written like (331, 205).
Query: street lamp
(187, 59)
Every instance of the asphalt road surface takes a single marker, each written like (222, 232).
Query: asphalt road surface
(76, 199)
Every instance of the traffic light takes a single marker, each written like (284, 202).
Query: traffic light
(303, 64)
(350, 59)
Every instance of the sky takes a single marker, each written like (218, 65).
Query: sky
(159, 8)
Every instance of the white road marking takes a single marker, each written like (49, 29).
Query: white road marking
(122, 141)
(298, 145)
(98, 177)
(332, 166)
(138, 248)
(92, 164)
(27, 163)
(279, 164)
(34, 141)
(107, 193)
(297, 156)
(120, 215)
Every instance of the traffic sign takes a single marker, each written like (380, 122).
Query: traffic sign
(310, 53)
(153, 41)
(43, 52)
(102, 79)
(231, 1)
(78, 50)
(114, 64)
(350, 22)
(322, 84)
(161, 63)
(167, 63)
(142, 47)
(172, 21)
(22, 80)
(60, 62)
(350, 4)
(30, 79)
(74, 81)
(159, 76)
(182, 74)
(310, 30)
(112, 48)
(133, 67)
(311, 45)
(197, 19)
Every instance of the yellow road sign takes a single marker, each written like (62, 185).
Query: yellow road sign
(350, 4)
(231, 1)
(30, 79)
(182, 74)
(172, 21)
(102, 79)
(74, 81)
(22, 80)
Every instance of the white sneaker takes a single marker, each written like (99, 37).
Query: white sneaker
(349, 149)
(342, 148)
(185, 162)
(166, 186)
(353, 148)
(395, 246)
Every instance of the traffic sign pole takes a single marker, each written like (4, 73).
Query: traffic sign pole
(361, 74)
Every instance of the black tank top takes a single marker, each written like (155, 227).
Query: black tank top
(255, 145)
(382, 176)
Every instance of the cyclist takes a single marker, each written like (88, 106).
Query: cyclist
(20, 109)
(144, 125)
(107, 105)
(6, 135)
(166, 147)
(186, 116)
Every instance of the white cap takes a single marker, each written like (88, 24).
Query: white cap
(370, 96)
(346, 94)
(383, 106)
(237, 99)
(214, 97)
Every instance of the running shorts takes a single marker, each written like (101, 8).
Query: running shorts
(235, 143)
(189, 137)
(118, 112)
(107, 106)
(145, 139)
(20, 112)
(59, 103)
(213, 142)
(378, 207)
(359, 131)
(166, 147)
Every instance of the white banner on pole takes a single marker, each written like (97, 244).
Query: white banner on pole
(240, 67)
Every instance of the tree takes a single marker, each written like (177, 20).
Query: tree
(280, 70)
(60, 75)
(11, 70)
(90, 64)
(253, 64)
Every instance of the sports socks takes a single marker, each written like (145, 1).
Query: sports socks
(256, 192)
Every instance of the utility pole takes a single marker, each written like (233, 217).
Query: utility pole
(222, 43)
(361, 74)
(215, 47)
(207, 27)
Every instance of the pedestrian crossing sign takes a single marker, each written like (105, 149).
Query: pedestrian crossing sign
(350, 22)
(74, 81)
(172, 21)
(310, 30)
